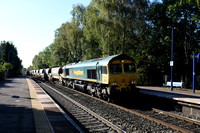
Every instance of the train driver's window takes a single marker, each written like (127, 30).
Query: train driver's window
(129, 68)
(115, 68)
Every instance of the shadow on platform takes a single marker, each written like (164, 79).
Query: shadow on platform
(16, 119)
(8, 81)
(14, 96)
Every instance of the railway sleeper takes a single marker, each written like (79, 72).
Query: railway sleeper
(187, 126)
(160, 116)
(164, 117)
(88, 120)
(169, 119)
(80, 113)
(78, 116)
(179, 122)
(76, 110)
(83, 117)
(196, 130)
(100, 129)
(96, 126)
(91, 122)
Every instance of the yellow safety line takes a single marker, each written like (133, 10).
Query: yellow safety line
(42, 125)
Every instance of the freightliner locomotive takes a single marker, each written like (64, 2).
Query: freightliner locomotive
(105, 77)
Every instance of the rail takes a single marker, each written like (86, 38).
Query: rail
(119, 130)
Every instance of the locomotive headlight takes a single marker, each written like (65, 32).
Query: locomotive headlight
(114, 83)
(133, 82)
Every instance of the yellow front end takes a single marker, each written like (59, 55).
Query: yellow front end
(122, 76)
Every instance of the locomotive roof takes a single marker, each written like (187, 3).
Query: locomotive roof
(100, 61)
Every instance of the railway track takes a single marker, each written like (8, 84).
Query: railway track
(89, 119)
(176, 122)
(96, 123)
(179, 122)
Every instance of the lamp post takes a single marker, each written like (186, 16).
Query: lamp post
(194, 73)
(172, 62)
(198, 61)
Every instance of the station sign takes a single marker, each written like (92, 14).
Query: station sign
(171, 63)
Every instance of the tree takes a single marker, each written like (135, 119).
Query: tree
(186, 37)
(9, 55)
(197, 2)
(136, 28)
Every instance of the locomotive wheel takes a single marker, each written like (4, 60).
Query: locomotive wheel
(97, 92)
(73, 85)
(63, 83)
(90, 90)
(68, 83)
(108, 99)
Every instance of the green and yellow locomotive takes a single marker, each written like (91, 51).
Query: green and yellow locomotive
(103, 77)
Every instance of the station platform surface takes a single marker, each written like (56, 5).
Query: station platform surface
(26, 108)
(177, 94)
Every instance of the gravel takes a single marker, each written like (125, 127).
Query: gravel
(125, 120)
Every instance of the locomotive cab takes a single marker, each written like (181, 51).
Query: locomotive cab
(122, 76)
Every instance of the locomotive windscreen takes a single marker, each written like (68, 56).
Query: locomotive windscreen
(115, 68)
(129, 68)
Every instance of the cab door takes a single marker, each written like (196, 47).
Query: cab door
(98, 71)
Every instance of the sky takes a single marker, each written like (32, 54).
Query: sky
(31, 24)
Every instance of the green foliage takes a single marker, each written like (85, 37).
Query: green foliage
(5, 66)
(30, 68)
(136, 28)
(186, 38)
(10, 59)
(196, 2)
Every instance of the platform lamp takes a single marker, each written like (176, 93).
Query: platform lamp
(172, 62)
(198, 61)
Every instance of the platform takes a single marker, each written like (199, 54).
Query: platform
(178, 95)
(26, 108)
